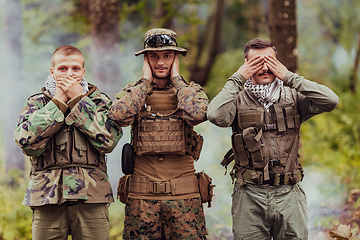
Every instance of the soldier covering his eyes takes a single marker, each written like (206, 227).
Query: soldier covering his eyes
(265, 104)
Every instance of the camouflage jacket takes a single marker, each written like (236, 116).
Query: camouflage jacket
(40, 121)
(191, 100)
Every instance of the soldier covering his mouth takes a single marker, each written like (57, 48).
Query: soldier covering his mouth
(66, 132)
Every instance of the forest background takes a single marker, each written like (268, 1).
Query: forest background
(319, 39)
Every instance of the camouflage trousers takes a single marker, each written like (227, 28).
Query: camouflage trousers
(164, 219)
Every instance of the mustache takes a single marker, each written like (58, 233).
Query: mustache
(157, 67)
(266, 72)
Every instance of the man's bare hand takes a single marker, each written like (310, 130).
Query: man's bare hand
(59, 94)
(276, 67)
(70, 86)
(147, 73)
(175, 66)
(249, 68)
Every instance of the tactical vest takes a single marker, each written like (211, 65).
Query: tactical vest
(265, 143)
(68, 147)
(160, 128)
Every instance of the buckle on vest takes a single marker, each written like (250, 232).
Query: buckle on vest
(160, 187)
(275, 162)
(267, 127)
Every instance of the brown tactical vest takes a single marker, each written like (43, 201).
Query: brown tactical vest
(265, 144)
(160, 128)
(69, 147)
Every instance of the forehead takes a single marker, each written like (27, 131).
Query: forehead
(60, 59)
(261, 52)
(163, 52)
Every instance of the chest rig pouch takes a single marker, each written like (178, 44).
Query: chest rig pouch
(160, 128)
(69, 147)
(266, 142)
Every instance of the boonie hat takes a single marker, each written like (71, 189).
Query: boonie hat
(159, 39)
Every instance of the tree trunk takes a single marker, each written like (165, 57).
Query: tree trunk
(200, 74)
(163, 15)
(283, 33)
(105, 56)
(354, 72)
(14, 81)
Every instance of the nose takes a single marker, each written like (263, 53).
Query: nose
(265, 67)
(69, 72)
(160, 61)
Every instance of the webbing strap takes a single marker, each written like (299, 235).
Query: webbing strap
(161, 148)
(164, 126)
(280, 118)
(160, 137)
(275, 179)
(293, 153)
(177, 186)
(184, 185)
(228, 158)
(290, 117)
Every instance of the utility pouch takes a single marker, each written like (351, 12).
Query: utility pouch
(198, 146)
(127, 159)
(206, 187)
(123, 188)
(253, 144)
(239, 149)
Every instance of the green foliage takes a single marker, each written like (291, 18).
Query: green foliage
(116, 212)
(341, 18)
(225, 65)
(15, 218)
(53, 22)
(332, 140)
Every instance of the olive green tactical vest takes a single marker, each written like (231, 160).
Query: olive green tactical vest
(68, 147)
(160, 128)
(265, 143)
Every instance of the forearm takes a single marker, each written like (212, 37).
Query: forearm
(192, 100)
(314, 98)
(91, 117)
(222, 110)
(36, 126)
(129, 102)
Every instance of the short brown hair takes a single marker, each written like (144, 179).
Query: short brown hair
(66, 51)
(257, 43)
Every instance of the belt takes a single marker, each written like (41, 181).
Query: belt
(177, 186)
(276, 179)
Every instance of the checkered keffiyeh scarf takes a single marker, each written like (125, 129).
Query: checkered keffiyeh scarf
(266, 94)
(50, 85)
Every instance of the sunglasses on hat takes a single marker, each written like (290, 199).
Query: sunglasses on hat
(160, 41)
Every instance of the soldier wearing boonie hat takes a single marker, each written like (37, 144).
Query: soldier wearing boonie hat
(160, 184)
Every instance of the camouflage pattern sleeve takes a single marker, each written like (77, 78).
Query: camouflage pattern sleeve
(129, 102)
(90, 115)
(192, 100)
(38, 121)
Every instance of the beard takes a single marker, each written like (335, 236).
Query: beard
(162, 76)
